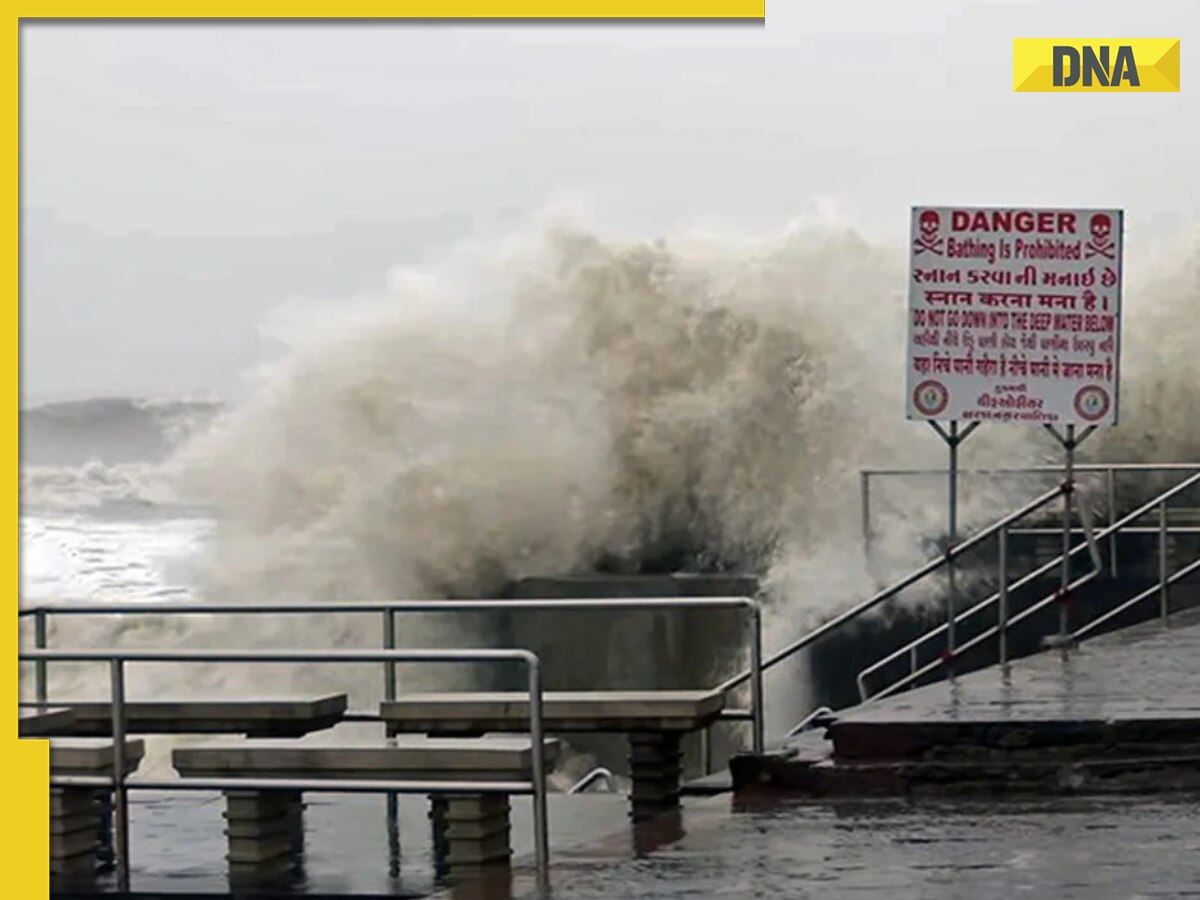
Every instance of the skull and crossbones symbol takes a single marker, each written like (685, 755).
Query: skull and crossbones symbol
(1101, 243)
(928, 239)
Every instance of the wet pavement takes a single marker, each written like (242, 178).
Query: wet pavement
(177, 843)
(928, 851)
(721, 847)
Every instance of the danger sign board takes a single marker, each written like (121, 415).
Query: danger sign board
(1014, 315)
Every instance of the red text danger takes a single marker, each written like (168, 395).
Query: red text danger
(1020, 220)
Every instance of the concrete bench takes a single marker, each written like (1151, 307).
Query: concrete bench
(278, 717)
(43, 721)
(655, 722)
(80, 817)
(265, 828)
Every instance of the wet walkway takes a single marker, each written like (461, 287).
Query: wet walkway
(1150, 671)
(765, 845)
(901, 851)
(721, 847)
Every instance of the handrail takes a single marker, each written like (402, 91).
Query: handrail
(907, 581)
(1109, 469)
(959, 618)
(992, 631)
(1187, 570)
(912, 646)
(813, 717)
(572, 603)
(591, 777)
(1043, 469)
(389, 609)
(1158, 502)
(118, 659)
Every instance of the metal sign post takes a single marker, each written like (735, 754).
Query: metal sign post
(1069, 442)
(953, 437)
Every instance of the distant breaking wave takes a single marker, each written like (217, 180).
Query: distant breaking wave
(109, 430)
(107, 456)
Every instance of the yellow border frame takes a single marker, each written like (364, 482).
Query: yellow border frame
(425, 9)
(26, 762)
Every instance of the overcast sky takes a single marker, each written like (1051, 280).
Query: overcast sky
(180, 181)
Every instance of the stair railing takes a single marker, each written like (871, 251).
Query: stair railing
(1000, 598)
(951, 553)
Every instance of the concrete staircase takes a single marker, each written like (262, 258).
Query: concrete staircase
(1114, 715)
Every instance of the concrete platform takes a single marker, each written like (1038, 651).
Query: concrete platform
(410, 758)
(263, 717)
(43, 721)
(567, 711)
(1117, 714)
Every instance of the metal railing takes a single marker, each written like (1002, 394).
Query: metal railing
(1000, 598)
(389, 610)
(118, 659)
(1162, 589)
(1110, 471)
(591, 778)
(950, 555)
(812, 720)
(876, 600)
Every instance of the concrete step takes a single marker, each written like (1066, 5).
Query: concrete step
(804, 776)
(928, 739)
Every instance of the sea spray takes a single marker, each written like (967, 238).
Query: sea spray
(559, 403)
(574, 403)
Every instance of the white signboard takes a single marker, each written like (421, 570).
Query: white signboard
(1014, 315)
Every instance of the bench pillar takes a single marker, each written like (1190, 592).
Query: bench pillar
(437, 831)
(75, 831)
(471, 833)
(265, 831)
(655, 768)
(81, 817)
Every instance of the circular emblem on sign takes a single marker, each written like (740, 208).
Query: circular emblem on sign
(1091, 403)
(930, 398)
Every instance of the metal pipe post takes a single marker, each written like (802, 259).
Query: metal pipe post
(389, 643)
(951, 581)
(1002, 599)
(865, 488)
(1164, 584)
(39, 666)
(1065, 579)
(121, 806)
(756, 679)
(392, 813)
(706, 751)
(541, 834)
(1112, 517)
